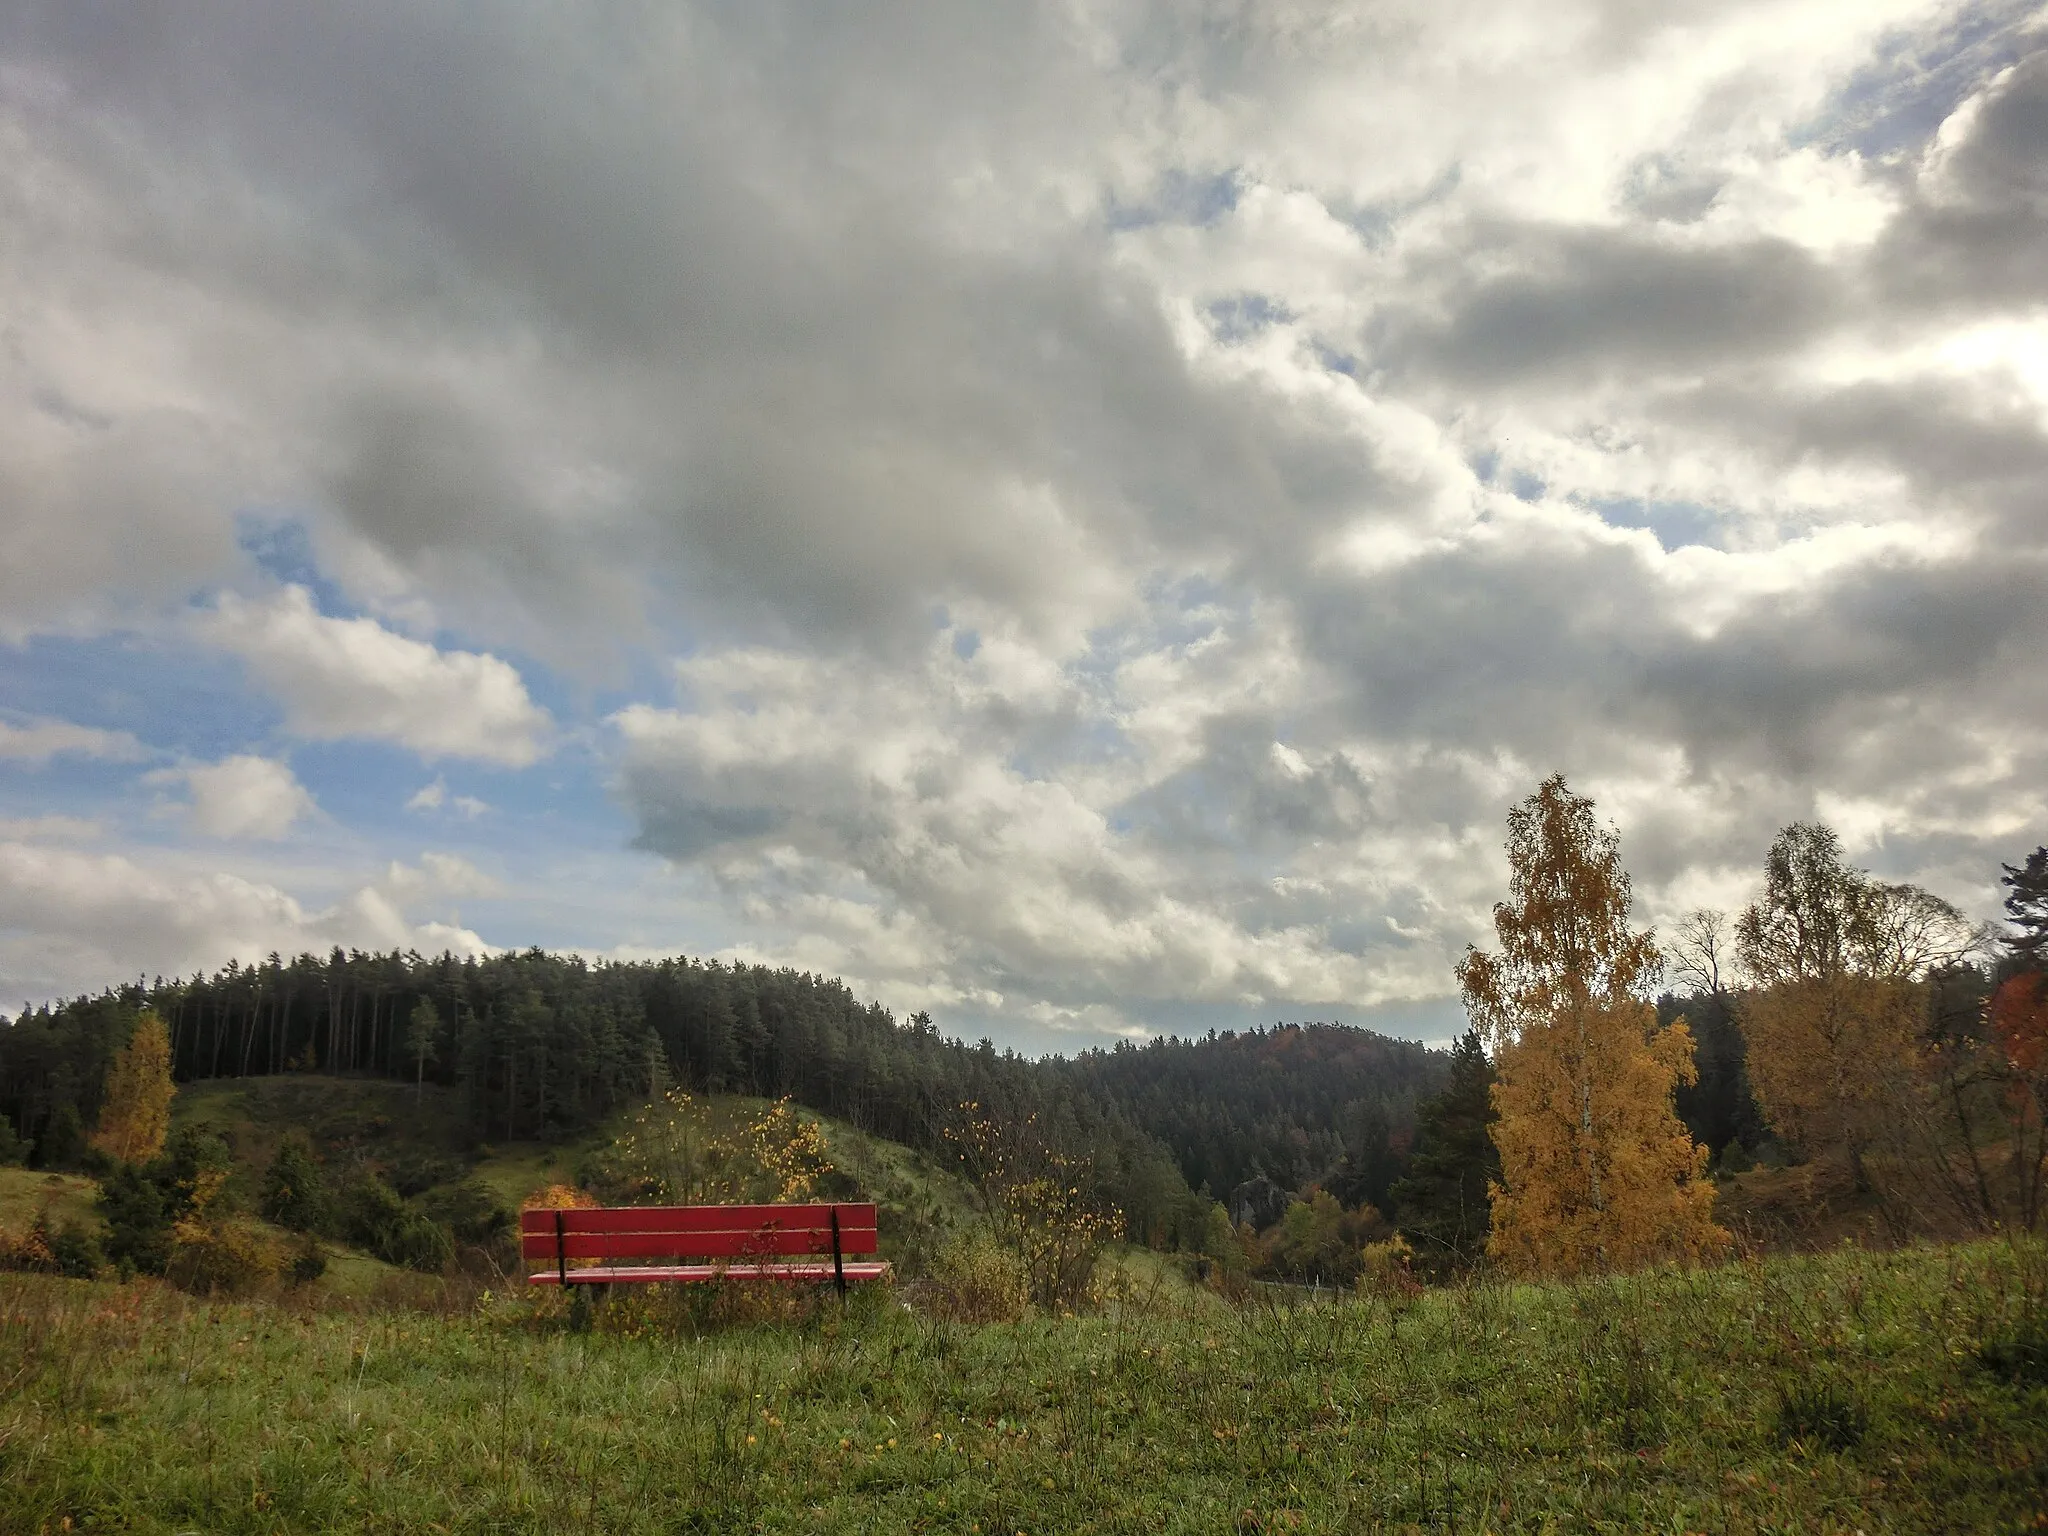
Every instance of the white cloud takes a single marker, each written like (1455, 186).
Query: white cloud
(434, 797)
(51, 829)
(41, 740)
(240, 797)
(71, 920)
(353, 677)
(438, 874)
(911, 849)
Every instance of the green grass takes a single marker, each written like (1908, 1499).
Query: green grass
(1834, 1393)
(25, 1193)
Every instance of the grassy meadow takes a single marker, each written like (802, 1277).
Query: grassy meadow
(1840, 1392)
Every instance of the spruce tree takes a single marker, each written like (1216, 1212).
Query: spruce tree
(1441, 1206)
(2027, 908)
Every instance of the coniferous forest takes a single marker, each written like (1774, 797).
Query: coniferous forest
(539, 1046)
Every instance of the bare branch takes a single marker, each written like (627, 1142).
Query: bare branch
(1698, 950)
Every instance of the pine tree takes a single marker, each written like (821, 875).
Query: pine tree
(1597, 1172)
(136, 1114)
(2027, 908)
(422, 1031)
(1441, 1206)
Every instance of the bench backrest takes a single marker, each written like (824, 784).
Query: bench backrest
(698, 1231)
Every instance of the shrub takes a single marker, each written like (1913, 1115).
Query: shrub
(1385, 1269)
(75, 1251)
(417, 1242)
(143, 1204)
(2019, 1350)
(673, 1152)
(2021, 1356)
(1039, 1200)
(215, 1256)
(471, 1211)
(975, 1279)
(375, 1216)
(308, 1260)
(13, 1149)
(28, 1250)
(418, 1172)
(138, 1220)
(72, 1249)
(295, 1193)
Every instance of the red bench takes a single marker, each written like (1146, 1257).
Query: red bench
(703, 1242)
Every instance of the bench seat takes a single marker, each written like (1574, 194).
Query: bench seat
(793, 1243)
(810, 1270)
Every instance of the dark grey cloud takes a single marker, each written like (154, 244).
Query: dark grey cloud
(1590, 304)
(1974, 235)
(1566, 648)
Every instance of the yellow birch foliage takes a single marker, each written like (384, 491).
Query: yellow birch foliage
(1833, 1059)
(1597, 1171)
(1836, 1007)
(137, 1113)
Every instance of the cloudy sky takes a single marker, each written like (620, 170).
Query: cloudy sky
(1080, 517)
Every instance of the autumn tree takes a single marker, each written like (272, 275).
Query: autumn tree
(1835, 1007)
(136, 1114)
(2019, 1024)
(1596, 1170)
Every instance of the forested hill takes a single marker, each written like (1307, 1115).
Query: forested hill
(1295, 1104)
(537, 1045)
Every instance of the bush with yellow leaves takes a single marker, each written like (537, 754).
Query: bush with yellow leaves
(215, 1253)
(673, 1152)
(1038, 1201)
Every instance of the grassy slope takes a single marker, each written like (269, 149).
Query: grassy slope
(63, 1196)
(1643, 1404)
(391, 1123)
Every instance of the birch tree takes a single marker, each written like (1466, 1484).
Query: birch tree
(1835, 1009)
(1597, 1171)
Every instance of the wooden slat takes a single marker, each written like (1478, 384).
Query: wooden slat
(699, 1218)
(801, 1270)
(621, 1245)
